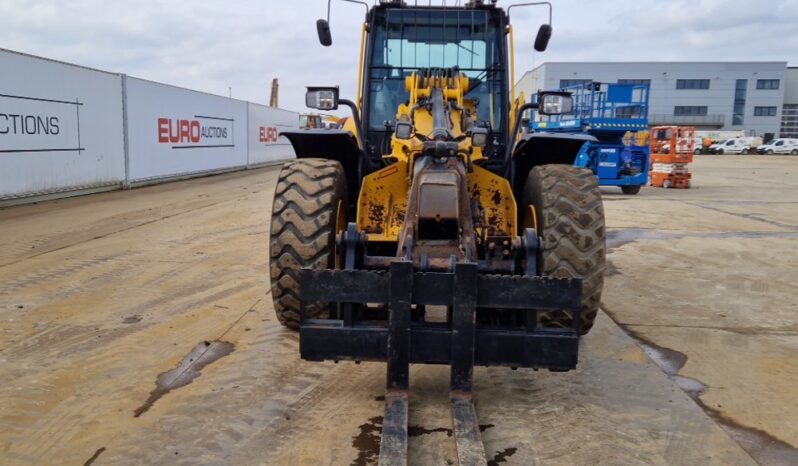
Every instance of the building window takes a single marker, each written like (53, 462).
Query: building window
(767, 83)
(573, 82)
(635, 81)
(765, 111)
(689, 110)
(692, 84)
(740, 91)
(789, 121)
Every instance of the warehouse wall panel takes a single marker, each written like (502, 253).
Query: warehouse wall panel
(265, 125)
(177, 132)
(60, 127)
(67, 129)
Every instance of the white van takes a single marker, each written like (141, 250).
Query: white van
(780, 146)
(730, 146)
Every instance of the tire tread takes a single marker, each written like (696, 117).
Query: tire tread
(302, 231)
(571, 214)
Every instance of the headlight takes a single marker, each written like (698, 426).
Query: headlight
(479, 137)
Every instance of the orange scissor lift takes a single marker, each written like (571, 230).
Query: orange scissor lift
(672, 149)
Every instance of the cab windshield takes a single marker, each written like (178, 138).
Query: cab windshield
(409, 40)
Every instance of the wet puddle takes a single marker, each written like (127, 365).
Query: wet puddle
(763, 447)
(501, 456)
(94, 457)
(670, 362)
(186, 371)
(367, 442)
(417, 431)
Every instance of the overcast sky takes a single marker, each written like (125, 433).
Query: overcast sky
(243, 44)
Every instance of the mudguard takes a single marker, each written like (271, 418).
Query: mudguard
(332, 144)
(545, 148)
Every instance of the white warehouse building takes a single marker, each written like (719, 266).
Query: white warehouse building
(726, 96)
(789, 116)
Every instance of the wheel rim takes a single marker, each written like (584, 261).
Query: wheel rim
(531, 219)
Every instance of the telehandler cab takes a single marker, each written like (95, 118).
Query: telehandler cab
(429, 229)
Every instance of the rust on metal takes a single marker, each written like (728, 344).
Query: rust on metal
(496, 197)
(470, 450)
(497, 206)
(376, 216)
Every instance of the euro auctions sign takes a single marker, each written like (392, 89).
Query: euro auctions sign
(196, 132)
(267, 135)
(30, 123)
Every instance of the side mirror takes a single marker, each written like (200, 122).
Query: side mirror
(322, 98)
(542, 39)
(555, 103)
(323, 28)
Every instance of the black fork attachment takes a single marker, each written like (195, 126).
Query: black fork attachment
(460, 342)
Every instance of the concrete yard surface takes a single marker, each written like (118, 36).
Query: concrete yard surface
(708, 286)
(138, 328)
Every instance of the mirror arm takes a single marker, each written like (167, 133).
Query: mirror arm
(350, 1)
(358, 129)
(508, 156)
(362, 3)
(523, 4)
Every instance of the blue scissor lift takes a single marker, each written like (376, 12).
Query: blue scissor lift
(617, 116)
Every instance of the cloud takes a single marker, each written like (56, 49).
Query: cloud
(211, 46)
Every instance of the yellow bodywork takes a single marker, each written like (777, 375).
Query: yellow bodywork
(384, 194)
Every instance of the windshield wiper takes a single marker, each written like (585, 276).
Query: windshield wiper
(479, 78)
(466, 49)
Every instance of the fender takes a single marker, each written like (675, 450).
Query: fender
(332, 144)
(545, 148)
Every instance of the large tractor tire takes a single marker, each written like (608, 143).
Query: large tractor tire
(309, 209)
(570, 219)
